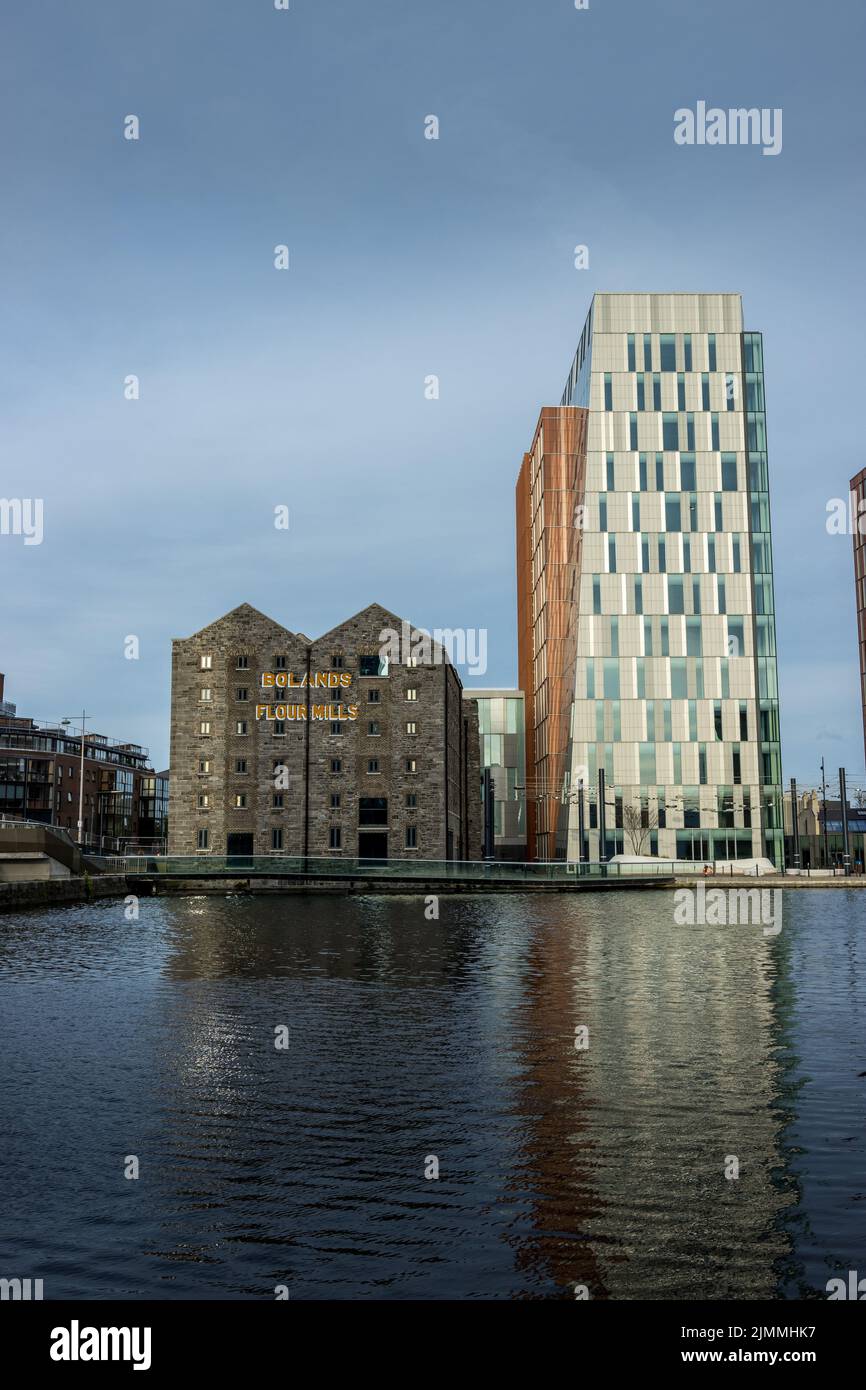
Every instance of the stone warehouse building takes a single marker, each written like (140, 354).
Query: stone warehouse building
(281, 744)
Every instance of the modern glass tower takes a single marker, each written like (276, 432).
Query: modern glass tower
(672, 744)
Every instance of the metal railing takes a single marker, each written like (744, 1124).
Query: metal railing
(339, 866)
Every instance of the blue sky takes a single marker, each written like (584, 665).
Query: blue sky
(409, 257)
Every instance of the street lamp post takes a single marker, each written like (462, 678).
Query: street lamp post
(67, 724)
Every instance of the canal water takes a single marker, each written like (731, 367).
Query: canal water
(417, 1046)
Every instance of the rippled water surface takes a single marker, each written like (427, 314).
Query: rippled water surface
(412, 1040)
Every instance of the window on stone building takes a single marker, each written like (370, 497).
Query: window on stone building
(204, 727)
(240, 801)
(277, 837)
(202, 838)
(411, 727)
(373, 765)
(240, 765)
(242, 692)
(241, 727)
(411, 837)
(243, 663)
(207, 663)
(336, 765)
(411, 693)
(335, 837)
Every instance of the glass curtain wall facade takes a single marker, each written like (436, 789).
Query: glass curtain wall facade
(502, 738)
(675, 687)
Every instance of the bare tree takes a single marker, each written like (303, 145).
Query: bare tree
(638, 822)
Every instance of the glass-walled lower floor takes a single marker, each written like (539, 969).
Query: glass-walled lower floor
(716, 824)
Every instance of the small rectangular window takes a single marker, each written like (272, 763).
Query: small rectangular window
(372, 666)
(240, 801)
(278, 801)
(204, 727)
(711, 351)
(647, 352)
(729, 473)
(203, 801)
(336, 765)
(670, 432)
(667, 347)
(373, 765)
(335, 837)
(240, 764)
(373, 696)
(202, 838)
(609, 469)
(336, 729)
(411, 800)
(608, 391)
(630, 352)
(243, 663)
(337, 661)
(411, 693)
(687, 351)
(632, 430)
(411, 727)
(241, 727)
(207, 663)
(335, 801)
(373, 728)
(681, 394)
(411, 837)
(714, 432)
(204, 764)
(242, 693)
(277, 837)
(206, 696)
(279, 663)
(411, 765)
(705, 391)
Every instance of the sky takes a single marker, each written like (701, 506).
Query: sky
(408, 257)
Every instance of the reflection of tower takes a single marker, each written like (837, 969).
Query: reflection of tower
(626, 1143)
(557, 1161)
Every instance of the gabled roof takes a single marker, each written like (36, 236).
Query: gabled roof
(375, 609)
(246, 611)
